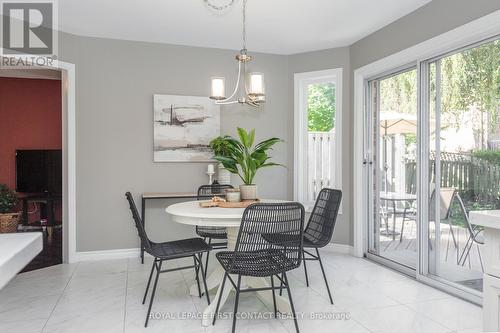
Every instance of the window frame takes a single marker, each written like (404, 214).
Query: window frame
(301, 83)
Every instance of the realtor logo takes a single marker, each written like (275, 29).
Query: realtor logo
(28, 28)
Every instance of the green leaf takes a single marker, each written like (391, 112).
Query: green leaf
(243, 136)
(251, 138)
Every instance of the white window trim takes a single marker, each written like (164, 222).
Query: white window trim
(301, 80)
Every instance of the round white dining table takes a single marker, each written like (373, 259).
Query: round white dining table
(191, 213)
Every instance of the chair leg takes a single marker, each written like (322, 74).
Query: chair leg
(149, 281)
(453, 235)
(324, 276)
(274, 297)
(153, 293)
(291, 303)
(467, 253)
(281, 283)
(218, 301)
(305, 268)
(464, 250)
(197, 272)
(206, 261)
(480, 258)
(237, 299)
(204, 278)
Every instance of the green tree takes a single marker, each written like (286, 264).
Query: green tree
(321, 107)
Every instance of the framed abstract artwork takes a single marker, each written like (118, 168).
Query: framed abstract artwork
(183, 128)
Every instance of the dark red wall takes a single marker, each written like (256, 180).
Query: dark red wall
(30, 118)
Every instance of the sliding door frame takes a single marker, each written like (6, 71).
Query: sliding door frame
(371, 166)
(464, 36)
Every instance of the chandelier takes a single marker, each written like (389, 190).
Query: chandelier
(250, 88)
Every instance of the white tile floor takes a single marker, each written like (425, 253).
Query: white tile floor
(105, 296)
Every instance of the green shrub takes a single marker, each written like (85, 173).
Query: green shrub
(492, 156)
(8, 199)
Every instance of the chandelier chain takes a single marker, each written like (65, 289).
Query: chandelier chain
(219, 8)
(244, 24)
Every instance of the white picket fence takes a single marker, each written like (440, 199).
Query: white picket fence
(321, 151)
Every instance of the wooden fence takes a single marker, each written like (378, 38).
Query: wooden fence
(321, 151)
(469, 175)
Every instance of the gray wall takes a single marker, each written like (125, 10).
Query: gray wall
(115, 83)
(328, 59)
(433, 19)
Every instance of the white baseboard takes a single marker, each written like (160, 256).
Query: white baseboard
(135, 252)
(340, 248)
(107, 254)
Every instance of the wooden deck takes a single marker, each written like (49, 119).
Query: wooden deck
(404, 251)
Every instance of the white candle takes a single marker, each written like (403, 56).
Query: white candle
(218, 88)
(210, 168)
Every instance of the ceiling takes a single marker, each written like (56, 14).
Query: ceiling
(274, 26)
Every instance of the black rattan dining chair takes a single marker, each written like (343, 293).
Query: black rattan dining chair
(319, 229)
(211, 233)
(254, 256)
(192, 247)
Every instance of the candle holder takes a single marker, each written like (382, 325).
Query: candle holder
(210, 177)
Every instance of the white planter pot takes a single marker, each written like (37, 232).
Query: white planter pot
(248, 192)
(223, 175)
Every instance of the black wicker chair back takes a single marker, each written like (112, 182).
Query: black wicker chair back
(254, 255)
(321, 223)
(138, 223)
(209, 191)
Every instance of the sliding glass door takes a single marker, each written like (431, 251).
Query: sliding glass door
(463, 158)
(432, 154)
(392, 145)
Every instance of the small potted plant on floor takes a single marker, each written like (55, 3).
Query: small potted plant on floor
(8, 219)
(243, 158)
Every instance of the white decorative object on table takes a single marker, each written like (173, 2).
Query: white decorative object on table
(490, 220)
(233, 195)
(192, 214)
(183, 127)
(210, 173)
(223, 175)
(248, 192)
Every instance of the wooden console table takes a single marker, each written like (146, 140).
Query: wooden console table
(160, 195)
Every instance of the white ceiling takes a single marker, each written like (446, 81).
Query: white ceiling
(274, 26)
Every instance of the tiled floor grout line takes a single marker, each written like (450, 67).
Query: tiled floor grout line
(429, 318)
(59, 298)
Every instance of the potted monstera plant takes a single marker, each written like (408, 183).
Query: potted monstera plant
(8, 219)
(243, 158)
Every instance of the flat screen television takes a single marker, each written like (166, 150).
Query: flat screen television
(39, 171)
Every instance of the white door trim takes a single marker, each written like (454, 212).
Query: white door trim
(477, 30)
(68, 82)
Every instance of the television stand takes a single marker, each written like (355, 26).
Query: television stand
(44, 198)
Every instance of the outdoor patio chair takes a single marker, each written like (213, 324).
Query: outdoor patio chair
(475, 236)
(446, 194)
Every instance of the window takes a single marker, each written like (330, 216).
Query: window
(318, 156)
